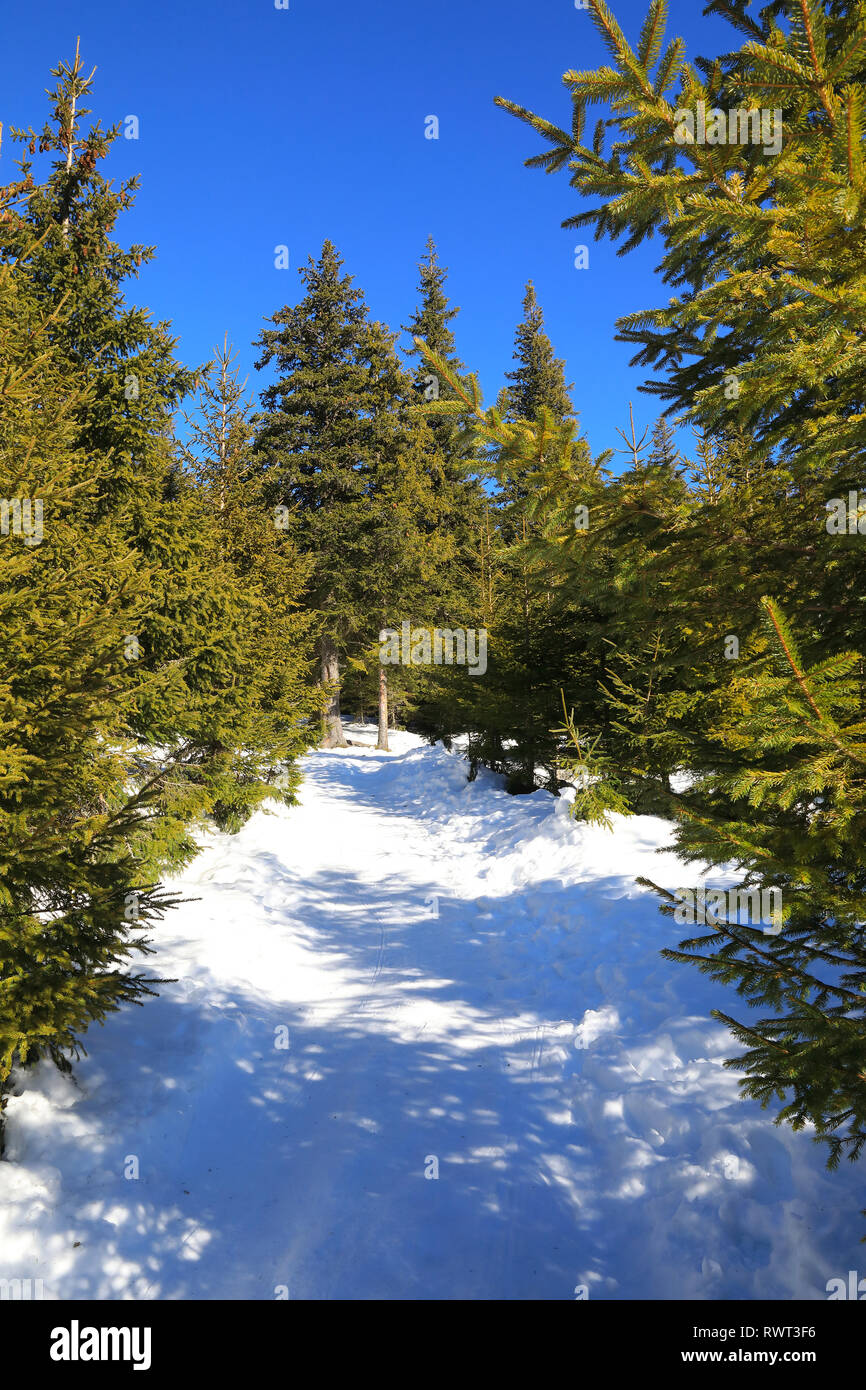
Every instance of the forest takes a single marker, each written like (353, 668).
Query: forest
(207, 581)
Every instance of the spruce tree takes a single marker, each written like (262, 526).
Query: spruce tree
(267, 708)
(187, 636)
(539, 379)
(329, 447)
(530, 658)
(460, 511)
(75, 896)
(791, 815)
(663, 450)
(430, 321)
(407, 554)
(127, 674)
(455, 464)
(763, 241)
(512, 715)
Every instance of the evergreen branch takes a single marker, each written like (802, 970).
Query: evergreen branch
(805, 12)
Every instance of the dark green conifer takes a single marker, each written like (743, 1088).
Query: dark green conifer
(539, 378)
(76, 897)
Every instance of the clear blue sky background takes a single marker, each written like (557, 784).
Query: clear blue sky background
(261, 127)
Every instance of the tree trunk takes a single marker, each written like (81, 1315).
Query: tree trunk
(332, 724)
(383, 711)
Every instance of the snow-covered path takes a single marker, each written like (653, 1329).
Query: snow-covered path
(409, 971)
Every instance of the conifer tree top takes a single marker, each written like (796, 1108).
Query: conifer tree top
(434, 313)
(539, 381)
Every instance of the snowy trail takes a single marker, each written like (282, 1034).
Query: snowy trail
(460, 976)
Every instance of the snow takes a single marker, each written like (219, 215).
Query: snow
(460, 976)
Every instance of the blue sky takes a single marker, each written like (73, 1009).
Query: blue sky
(262, 127)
